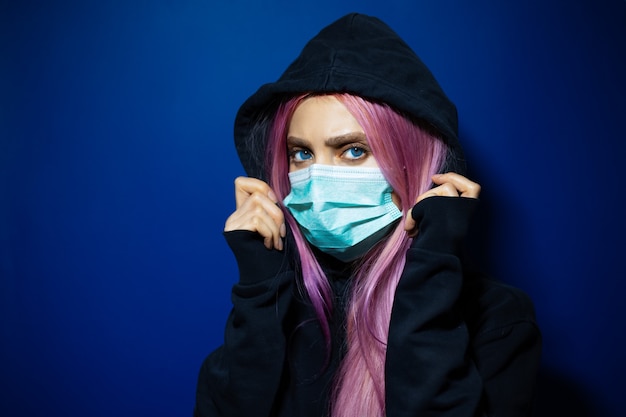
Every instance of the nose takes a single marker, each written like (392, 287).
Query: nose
(325, 156)
(325, 160)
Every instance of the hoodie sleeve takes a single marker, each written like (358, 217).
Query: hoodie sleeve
(447, 357)
(427, 368)
(506, 346)
(242, 377)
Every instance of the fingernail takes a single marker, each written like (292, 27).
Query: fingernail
(283, 230)
(272, 196)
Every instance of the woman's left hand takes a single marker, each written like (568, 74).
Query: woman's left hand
(450, 184)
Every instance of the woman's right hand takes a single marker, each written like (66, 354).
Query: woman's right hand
(257, 211)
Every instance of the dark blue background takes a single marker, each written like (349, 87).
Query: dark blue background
(117, 163)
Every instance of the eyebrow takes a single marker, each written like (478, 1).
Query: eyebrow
(335, 141)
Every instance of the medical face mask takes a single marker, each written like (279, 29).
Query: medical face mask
(342, 211)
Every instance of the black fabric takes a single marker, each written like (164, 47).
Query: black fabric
(356, 54)
(444, 233)
(459, 344)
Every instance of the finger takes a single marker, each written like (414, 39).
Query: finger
(258, 202)
(256, 206)
(257, 221)
(246, 186)
(464, 186)
(259, 192)
(410, 225)
(444, 190)
(259, 214)
(270, 233)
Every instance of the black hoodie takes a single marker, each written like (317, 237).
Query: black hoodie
(361, 55)
(458, 345)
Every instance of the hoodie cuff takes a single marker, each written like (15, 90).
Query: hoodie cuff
(256, 263)
(443, 223)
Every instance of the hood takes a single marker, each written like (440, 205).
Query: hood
(356, 54)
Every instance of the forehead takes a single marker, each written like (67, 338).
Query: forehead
(322, 117)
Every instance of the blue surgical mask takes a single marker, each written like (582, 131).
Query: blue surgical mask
(342, 211)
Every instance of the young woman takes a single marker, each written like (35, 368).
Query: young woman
(353, 298)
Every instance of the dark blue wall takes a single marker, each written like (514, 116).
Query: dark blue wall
(117, 163)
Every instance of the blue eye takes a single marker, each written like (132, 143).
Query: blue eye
(301, 155)
(355, 152)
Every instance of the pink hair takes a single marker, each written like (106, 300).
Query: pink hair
(408, 156)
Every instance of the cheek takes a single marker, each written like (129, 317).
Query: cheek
(370, 163)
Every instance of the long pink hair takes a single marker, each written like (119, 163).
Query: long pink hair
(408, 156)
